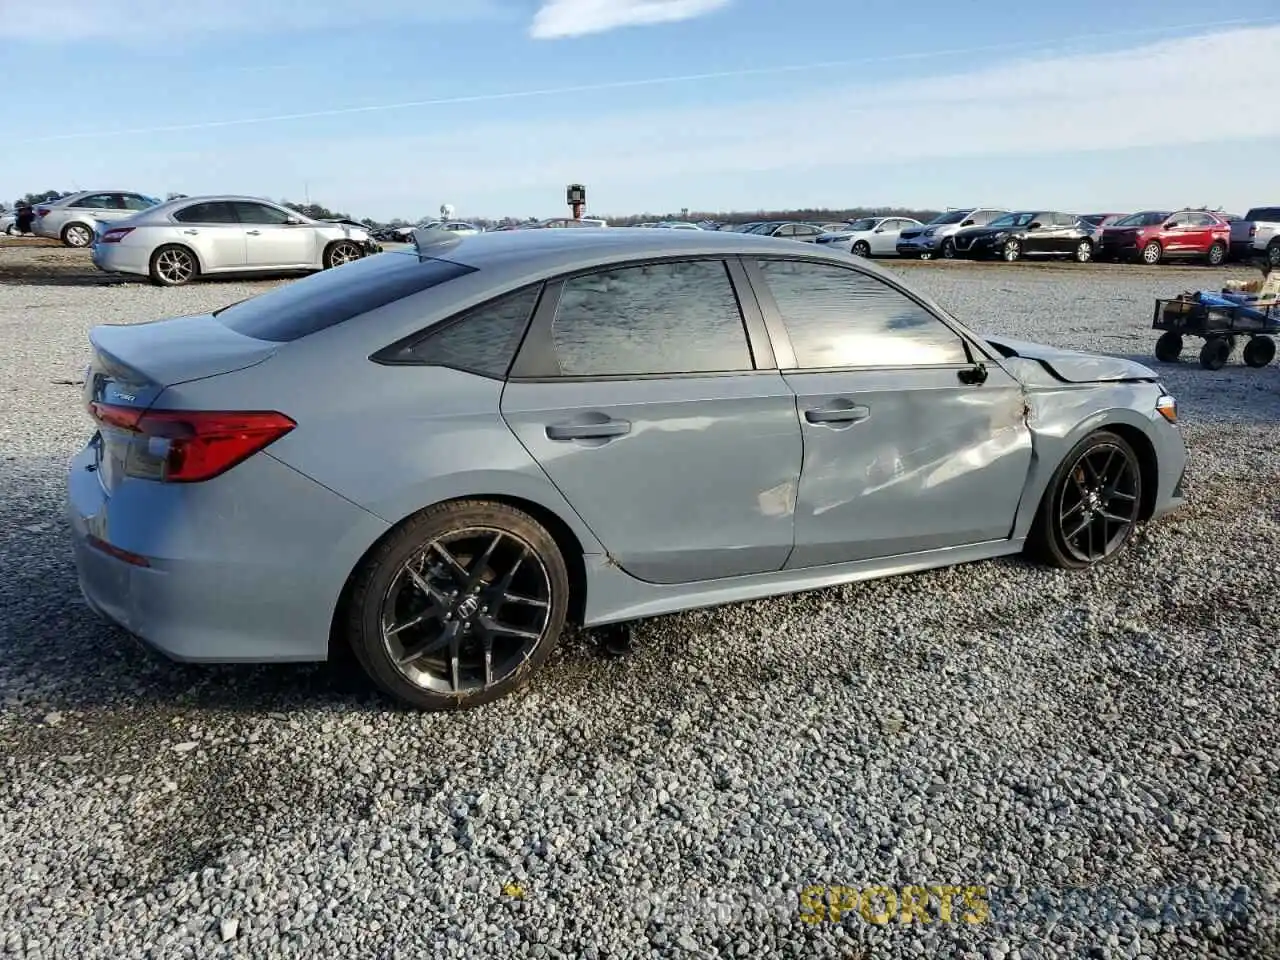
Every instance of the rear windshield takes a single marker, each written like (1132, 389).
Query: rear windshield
(333, 296)
(1265, 214)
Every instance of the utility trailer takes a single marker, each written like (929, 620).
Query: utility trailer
(1220, 318)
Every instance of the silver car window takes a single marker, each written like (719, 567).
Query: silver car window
(97, 201)
(250, 212)
(216, 211)
(661, 318)
(838, 317)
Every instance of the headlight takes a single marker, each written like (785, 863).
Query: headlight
(929, 233)
(1167, 407)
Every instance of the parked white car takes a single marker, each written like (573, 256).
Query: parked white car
(1257, 234)
(74, 219)
(870, 236)
(181, 240)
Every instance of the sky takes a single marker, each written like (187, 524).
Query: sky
(390, 108)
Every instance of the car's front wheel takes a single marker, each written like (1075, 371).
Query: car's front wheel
(343, 251)
(862, 249)
(459, 605)
(1152, 253)
(1092, 504)
(948, 249)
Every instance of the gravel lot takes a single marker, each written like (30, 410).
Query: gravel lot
(1095, 750)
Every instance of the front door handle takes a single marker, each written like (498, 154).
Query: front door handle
(191, 232)
(253, 233)
(851, 414)
(588, 431)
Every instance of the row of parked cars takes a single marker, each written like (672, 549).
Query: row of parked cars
(1149, 236)
(176, 241)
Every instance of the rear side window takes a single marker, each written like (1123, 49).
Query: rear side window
(650, 320)
(1265, 214)
(333, 296)
(214, 212)
(483, 340)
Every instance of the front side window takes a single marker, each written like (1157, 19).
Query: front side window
(260, 213)
(650, 319)
(483, 340)
(836, 317)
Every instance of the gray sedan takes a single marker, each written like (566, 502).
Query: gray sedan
(75, 218)
(178, 241)
(438, 457)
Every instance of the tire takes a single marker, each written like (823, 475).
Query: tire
(862, 249)
(1273, 253)
(1259, 351)
(1217, 254)
(1215, 353)
(1011, 251)
(465, 579)
(1084, 252)
(173, 265)
(1152, 253)
(1082, 491)
(341, 252)
(77, 235)
(1169, 347)
(948, 249)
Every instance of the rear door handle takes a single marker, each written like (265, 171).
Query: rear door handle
(253, 233)
(851, 414)
(588, 431)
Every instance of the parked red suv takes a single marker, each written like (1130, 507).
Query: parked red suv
(1156, 235)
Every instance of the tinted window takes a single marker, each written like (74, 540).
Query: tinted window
(983, 217)
(332, 296)
(651, 319)
(483, 340)
(1266, 214)
(259, 213)
(841, 318)
(216, 212)
(99, 201)
(133, 201)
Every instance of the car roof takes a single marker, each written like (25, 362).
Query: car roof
(544, 252)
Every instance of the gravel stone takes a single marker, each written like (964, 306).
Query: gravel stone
(1095, 751)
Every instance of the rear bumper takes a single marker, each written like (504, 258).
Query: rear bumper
(247, 570)
(121, 258)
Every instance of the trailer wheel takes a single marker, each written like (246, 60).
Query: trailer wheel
(1169, 347)
(1215, 353)
(1259, 351)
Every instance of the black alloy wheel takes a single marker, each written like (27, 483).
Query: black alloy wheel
(1092, 505)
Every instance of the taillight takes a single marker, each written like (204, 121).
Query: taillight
(1253, 230)
(42, 211)
(187, 446)
(116, 234)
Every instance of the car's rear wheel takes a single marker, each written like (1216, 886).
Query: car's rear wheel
(1217, 254)
(77, 235)
(1169, 347)
(1092, 504)
(862, 249)
(1152, 253)
(340, 252)
(459, 605)
(1084, 251)
(1273, 253)
(172, 266)
(1011, 251)
(1259, 351)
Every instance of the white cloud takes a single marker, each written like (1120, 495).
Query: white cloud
(136, 21)
(575, 18)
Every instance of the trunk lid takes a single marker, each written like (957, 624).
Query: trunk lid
(132, 364)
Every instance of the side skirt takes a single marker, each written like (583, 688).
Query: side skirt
(614, 596)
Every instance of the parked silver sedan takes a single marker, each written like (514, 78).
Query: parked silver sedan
(74, 219)
(178, 241)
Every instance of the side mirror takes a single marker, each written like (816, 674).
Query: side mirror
(293, 221)
(1034, 225)
(879, 230)
(967, 223)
